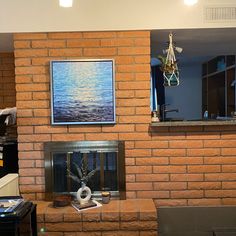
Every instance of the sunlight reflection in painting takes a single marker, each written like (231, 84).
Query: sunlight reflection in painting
(83, 91)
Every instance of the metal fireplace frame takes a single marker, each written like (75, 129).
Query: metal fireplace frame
(85, 147)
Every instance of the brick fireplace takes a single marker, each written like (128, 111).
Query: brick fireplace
(33, 52)
(173, 165)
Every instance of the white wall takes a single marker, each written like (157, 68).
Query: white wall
(9, 185)
(187, 97)
(97, 15)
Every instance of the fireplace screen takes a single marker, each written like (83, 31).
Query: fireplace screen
(106, 157)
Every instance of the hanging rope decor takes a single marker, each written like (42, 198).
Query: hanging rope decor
(170, 68)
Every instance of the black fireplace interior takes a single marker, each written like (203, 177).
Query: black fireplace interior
(97, 182)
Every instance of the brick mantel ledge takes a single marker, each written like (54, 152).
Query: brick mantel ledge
(132, 217)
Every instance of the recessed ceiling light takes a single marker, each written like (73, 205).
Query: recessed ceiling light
(66, 3)
(190, 2)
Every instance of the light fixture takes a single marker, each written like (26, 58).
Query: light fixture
(190, 2)
(66, 3)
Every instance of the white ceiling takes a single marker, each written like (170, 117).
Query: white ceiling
(198, 44)
(100, 15)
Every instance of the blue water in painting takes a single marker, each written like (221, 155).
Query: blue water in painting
(83, 91)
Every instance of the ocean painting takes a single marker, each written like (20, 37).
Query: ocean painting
(82, 92)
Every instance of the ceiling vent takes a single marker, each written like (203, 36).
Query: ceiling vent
(220, 13)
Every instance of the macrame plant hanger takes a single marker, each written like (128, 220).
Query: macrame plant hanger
(170, 69)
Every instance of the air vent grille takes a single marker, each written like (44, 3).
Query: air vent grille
(219, 13)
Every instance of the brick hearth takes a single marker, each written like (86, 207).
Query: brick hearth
(133, 217)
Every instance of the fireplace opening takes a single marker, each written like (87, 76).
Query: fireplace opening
(106, 157)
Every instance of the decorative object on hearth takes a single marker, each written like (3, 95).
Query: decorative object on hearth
(169, 64)
(106, 197)
(83, 194)
(62, 200)
(89, 205)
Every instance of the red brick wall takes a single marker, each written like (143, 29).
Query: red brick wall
(7, 80)
(175, 166)
(192, 165)
(131, 51)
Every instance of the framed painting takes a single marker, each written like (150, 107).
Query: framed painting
(82, 91)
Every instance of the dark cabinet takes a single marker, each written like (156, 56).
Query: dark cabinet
(18, 222)
(9, 157)
(218, 87)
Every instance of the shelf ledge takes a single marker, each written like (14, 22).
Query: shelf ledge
(193, 123)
